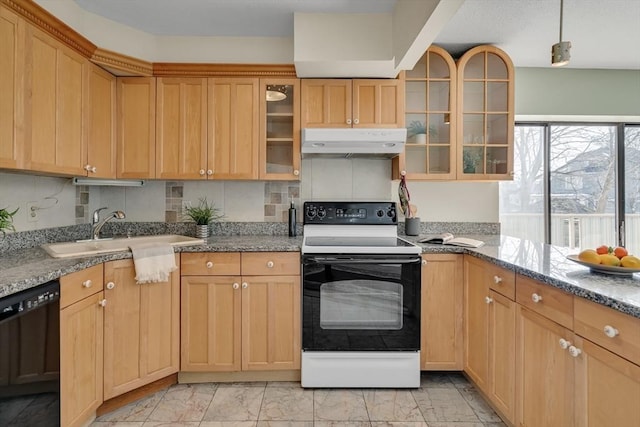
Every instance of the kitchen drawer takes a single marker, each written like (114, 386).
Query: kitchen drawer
(81, 284)
(546, 300)
(271, 263)
(502, 280)
(210, 263)
(591, 319)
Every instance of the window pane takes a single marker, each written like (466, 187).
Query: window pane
(522, 200)
(583, 181)
(632, 188)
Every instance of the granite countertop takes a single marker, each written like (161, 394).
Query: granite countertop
(26, 268)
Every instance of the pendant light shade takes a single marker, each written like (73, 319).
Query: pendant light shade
(560, 52)
(276, 93)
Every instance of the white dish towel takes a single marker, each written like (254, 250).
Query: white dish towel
(153, 262)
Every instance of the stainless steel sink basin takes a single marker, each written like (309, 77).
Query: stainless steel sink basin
(95, 247)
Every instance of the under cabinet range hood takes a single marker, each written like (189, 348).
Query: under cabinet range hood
(353, 142)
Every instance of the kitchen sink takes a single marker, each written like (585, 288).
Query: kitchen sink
(103, 246)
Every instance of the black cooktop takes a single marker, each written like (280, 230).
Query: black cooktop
(387, 242)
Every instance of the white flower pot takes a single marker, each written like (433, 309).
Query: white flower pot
(202, 231)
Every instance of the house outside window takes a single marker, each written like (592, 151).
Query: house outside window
(575, 185)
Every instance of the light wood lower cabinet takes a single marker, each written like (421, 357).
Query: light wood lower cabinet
(441, 342)
(141, 328)
(241, 322)
(490, 332)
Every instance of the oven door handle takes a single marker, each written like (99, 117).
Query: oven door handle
(330, 260)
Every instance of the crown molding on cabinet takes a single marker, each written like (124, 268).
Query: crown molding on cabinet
(52, 25)
(166, 69)
(122, 65)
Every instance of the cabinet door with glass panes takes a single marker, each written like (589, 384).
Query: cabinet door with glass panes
(430, 117)
(280, 129)
(485, 115)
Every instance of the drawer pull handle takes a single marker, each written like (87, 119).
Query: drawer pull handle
(536, 298)
(574, 351)
(564, 344)
(209, 264)
(102, 303)
(236, 286)
(610, 331)
(488, 300)
(245, 285)
(111, 285)
(270, 264)
(87, 283)
(497, 279)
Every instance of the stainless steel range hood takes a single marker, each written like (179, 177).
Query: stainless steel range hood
(353, 142)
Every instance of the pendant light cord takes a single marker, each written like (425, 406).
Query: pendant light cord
(561, 8)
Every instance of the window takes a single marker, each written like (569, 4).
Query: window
(575, 185)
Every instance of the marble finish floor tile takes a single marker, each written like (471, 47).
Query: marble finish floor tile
(228, 424)
(339, 405)
(392, 405)
(287, 404)
(444, 405)
(399, 424)
(184, 403)
(235, 403)
(341, 424)
(482, 409)
(117, 424)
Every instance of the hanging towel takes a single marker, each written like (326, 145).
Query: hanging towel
(153, 262)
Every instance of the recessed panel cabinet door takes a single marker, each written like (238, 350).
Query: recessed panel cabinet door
(57, 81)
(101, 124)
(326, 103)
(234, 127)
(378, 103)
(11, 87)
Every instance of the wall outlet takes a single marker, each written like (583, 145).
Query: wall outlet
(33, 214)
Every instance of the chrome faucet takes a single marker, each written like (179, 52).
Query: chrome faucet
(97, 224)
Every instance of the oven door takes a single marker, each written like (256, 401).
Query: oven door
(361, 302)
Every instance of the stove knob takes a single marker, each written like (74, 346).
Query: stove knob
(380, 213)
(321, 212)
(391, 213)
(311, 212)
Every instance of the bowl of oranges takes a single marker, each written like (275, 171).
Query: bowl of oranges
(608, 260)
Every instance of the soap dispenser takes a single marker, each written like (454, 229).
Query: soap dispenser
(292, 220)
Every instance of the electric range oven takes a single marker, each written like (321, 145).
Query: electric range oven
(361, 298)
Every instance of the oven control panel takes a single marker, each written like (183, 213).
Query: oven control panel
(365, 213)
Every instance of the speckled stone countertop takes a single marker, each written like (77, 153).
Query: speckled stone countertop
(25, 268)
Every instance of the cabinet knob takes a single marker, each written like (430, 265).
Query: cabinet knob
(424, 262)
(574, 351)
(270, 264)
(564, 344)
(87, 283)
(536, 298)
(497, 279)
(201, 172)
(245, 285)
(296, 172)
(488, 300)
(93, 169)
(356, 121)
(209, 264)
(403, 173)
(348, 121)
(209, 172)
(111, 285)
(102, 303)
(87, 168)
(610, 331)
(236, 285)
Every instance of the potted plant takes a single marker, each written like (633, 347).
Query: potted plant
(203, 214)
(6, 221)
(418, 131)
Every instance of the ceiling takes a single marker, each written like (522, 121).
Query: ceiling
(603, 34)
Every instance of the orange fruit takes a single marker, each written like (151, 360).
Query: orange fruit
(609, 259)
(620, 252)
(630, 261)
(590, 256)
(604, 249)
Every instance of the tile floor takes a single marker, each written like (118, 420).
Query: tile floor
(443, 399)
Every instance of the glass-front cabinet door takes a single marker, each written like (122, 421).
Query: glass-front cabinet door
(485, 115)
(280, 129)
(430, 117)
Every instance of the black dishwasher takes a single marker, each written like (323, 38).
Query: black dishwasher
(30, 357)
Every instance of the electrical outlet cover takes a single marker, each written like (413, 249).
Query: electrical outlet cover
(33, 213)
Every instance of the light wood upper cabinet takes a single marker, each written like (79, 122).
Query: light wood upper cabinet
(141, 329)
(181, 128)
(81, 345)
(233, 128)
(485, 116)
(280, 130)
(12, 54)
(136, 118)
(441, 345)
(490, 332)
(54, 111)
(335, 103)
(101, 124)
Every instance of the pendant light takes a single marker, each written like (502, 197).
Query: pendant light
(276, 92)
(560, 51)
